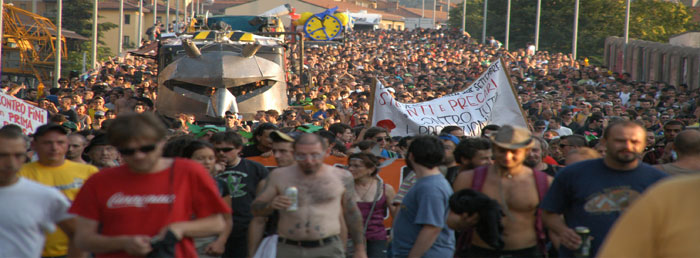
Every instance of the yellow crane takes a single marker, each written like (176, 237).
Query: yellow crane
(29, 45)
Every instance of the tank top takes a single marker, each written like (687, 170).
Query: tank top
(375, 228)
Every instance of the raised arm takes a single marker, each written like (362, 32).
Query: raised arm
(353, 216)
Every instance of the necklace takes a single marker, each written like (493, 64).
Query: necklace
(366, 191)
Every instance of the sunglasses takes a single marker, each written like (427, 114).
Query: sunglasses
(229, 117)
(379, 139)
(132, 151)
(226, 149)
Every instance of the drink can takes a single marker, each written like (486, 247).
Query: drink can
(584, 232)
(293, 193)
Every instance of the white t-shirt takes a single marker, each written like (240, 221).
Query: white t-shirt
(625, 97)
(563, 131)
(29, 209)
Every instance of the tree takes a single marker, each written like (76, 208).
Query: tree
(77, 16)
(652, 20)
(474, 18)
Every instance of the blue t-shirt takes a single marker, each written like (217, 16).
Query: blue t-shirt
(591, 194)
(425, 203)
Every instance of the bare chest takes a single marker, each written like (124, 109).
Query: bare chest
(519, 195)
(318, 191)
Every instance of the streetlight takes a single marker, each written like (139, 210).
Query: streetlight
(57, 56)
(537, 25)
(573, 45)
(483, 30)
(120, 40)
(464, 16)
(627, 35)
(94, 36)
(508, 25)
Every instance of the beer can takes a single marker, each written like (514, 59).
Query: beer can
(585, 249)
(293, 193)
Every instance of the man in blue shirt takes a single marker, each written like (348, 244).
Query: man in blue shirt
(594, 193)
(420, 229)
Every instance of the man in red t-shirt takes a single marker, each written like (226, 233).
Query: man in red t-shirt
(123, 210)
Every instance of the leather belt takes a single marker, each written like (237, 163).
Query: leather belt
(309, 243)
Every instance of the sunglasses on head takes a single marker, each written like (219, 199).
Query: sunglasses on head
(132, 151)
(226, 149)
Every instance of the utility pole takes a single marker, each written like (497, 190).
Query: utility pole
(120, 40)
(177, 16)
(464, 15)
(57, 56)
(448, 9)
(627, 35)
(33, 6)
(167, 16)
(483, 30)
(508, 24)
(140, 29)
(537, 25)
(185, 14)
(93, 64)
(155, 12)
(422, 15)
(573, 45)
(434, 13)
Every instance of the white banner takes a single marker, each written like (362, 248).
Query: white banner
(489, 100)
(16, 111)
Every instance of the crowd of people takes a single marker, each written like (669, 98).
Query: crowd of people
(312, 180)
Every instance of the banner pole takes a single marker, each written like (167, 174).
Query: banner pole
(372, 93)
(515, 93)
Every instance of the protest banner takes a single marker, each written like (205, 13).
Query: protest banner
(489, 100)
(15, 111)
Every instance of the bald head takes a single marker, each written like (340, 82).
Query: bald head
(310, 139)
(687, 143)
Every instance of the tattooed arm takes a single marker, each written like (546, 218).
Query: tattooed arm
(269, 198)
(353, 217)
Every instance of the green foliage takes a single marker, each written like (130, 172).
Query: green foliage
(77, 16)
(474, 17)
(75, 58)
(652, 20)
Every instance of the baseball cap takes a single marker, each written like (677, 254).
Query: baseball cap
(278, 136)
(50, 127)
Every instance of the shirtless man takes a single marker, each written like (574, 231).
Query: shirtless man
(313, 229)
(513, 185)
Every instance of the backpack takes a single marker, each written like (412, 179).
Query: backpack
(542, 185)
